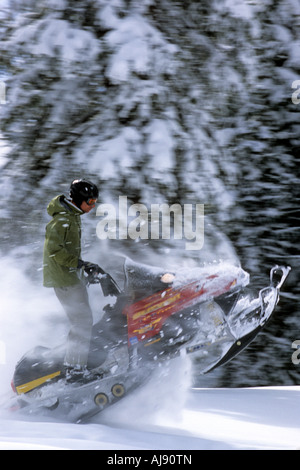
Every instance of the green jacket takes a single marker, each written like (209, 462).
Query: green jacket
(62, 248)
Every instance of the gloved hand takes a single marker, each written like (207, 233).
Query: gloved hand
(89, 268)
(109, 286)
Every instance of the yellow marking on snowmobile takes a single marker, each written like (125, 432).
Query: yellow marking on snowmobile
(217, 320)
(35, 383)
(154, 341)
(157, 306)
(146, 328)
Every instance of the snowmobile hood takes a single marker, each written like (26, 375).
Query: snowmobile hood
(60, 204)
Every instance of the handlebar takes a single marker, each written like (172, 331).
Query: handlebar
(108, 284)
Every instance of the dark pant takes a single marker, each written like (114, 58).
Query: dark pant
(75, 302)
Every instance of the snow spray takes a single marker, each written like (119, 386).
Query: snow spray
(2, 353)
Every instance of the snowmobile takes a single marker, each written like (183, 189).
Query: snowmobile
(208, 313)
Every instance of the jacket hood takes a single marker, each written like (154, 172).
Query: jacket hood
(60, 204)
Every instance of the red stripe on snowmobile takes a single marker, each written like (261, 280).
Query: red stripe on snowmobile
(146, 317)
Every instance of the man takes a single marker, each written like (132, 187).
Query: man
(62, 269)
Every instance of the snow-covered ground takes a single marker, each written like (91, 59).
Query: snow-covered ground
(257, 418)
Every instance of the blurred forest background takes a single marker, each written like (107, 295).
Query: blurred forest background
(161, 101)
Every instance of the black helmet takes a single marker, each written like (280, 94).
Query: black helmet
(83, 190)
